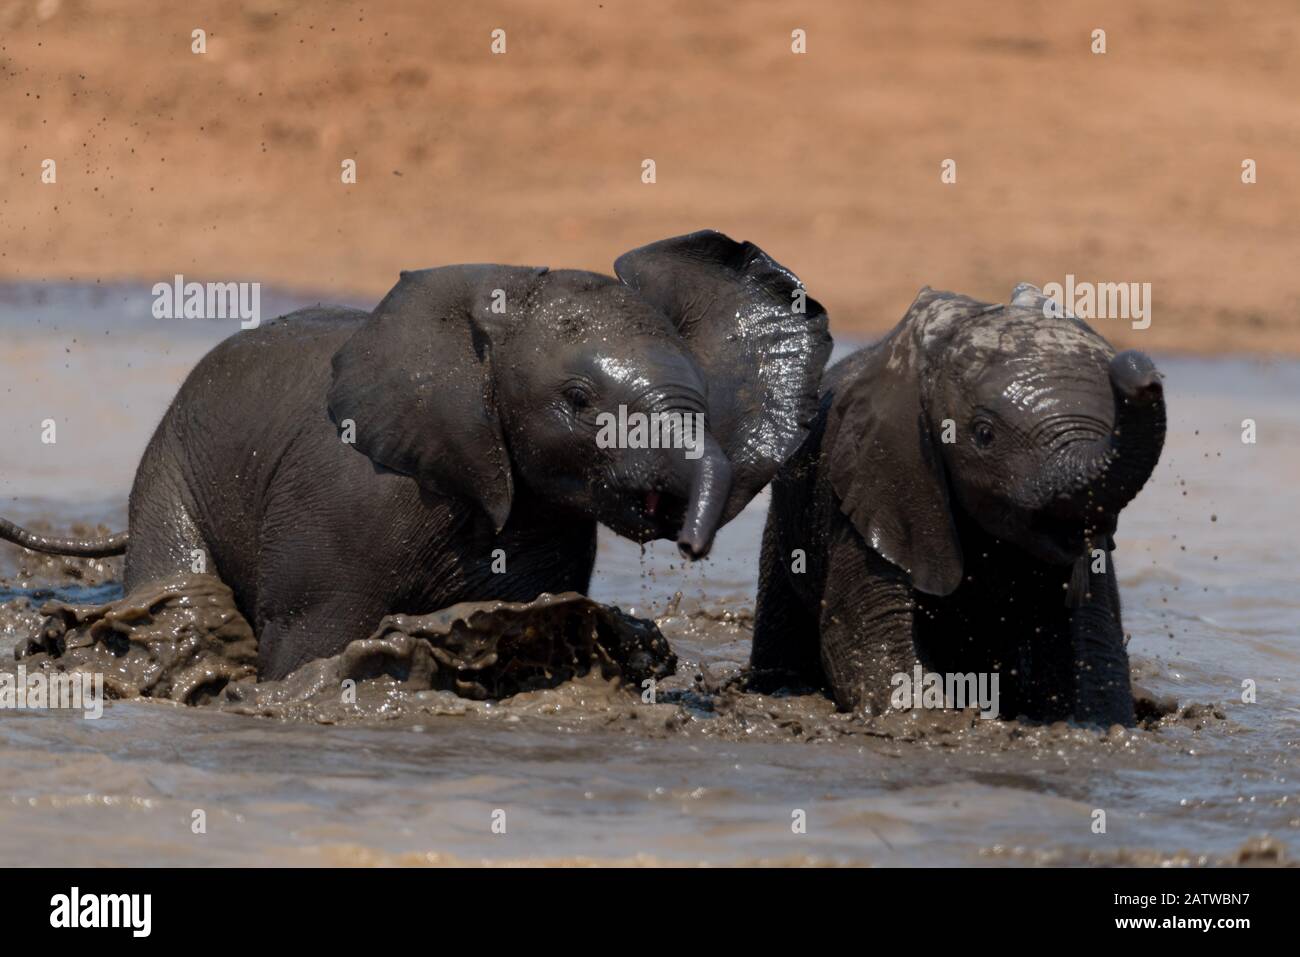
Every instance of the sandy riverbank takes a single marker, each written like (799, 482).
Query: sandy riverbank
(1117, 167)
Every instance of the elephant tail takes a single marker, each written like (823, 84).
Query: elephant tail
(82, 547)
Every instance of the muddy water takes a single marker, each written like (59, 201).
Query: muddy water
(584, 771)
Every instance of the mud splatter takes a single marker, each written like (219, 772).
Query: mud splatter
(479, 651)
(181, 640)
(185, 641)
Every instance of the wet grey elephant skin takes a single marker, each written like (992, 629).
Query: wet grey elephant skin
(335, 466)
(955, 504)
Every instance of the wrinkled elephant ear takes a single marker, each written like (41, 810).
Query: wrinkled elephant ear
(759, 338)
(415, 382)
(886, 466)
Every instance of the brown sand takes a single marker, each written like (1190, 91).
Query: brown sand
(226, 166)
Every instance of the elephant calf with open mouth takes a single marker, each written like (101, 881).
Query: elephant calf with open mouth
(954, 507)
(336, 466)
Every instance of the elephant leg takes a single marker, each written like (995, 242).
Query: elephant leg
(1037, 668)
(1102, 690)
(313, 599)
(867, 624)
(165, 539)
(165, 545)
(290, 639)
(785, 627)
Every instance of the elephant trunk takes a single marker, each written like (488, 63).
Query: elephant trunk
(1139, 433)
(1107, 476)
(710, 486)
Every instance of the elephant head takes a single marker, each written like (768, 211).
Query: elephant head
(587, 390)
(1020, 415)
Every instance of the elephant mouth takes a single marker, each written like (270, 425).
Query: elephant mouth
(646, 515)
(1059, 540)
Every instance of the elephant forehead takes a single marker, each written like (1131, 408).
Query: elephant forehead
(1039, 384)
(1043, 392)
(622, 370)
(576, 306)
(944, 315)
(1019, 358)
(628, 365)
(1016, 335)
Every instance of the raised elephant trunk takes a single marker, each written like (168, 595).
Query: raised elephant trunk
(1108, 476)
(710, 487)
(1139, 433)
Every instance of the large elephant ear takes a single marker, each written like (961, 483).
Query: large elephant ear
(757, 335)
(414, 382)
(886, 466)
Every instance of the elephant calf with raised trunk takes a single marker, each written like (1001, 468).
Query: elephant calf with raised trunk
(954, 506)
(336, 466)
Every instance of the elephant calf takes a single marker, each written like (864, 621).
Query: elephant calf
(336, 466)
(954, 506)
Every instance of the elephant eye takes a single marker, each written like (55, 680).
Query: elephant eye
(577, 397)
(983, 434)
